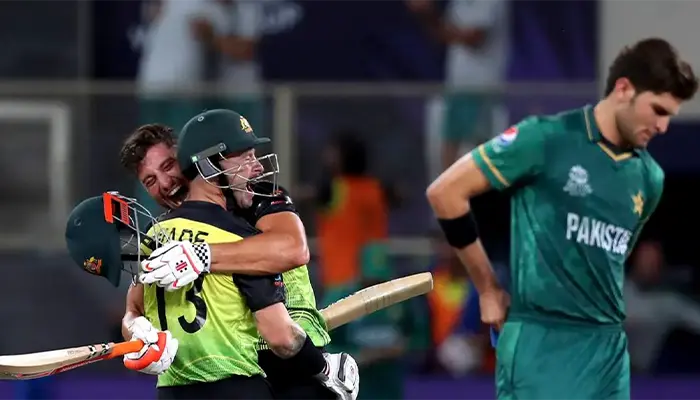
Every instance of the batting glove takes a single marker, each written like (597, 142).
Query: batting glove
(341, 376)
(158, 351)
(176, 264)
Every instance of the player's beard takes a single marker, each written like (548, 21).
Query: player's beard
(625, 128)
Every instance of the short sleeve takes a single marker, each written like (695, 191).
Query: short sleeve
(514, 155)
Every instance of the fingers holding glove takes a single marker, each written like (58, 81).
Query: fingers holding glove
(176, 264)
(158, 351)
(341, 376)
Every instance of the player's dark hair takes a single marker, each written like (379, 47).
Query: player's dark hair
(141, 140)
(653, 65)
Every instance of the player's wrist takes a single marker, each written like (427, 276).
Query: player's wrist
(203, 253)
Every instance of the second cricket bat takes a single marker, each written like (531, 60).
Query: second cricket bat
(359, 304)
(375, 298)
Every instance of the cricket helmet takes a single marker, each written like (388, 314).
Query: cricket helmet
(103, 236)
(214, 135)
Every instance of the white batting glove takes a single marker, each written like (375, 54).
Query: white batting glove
(341, 376)
(158, 351)
(176, 264)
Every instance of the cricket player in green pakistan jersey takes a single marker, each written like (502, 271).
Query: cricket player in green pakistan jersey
(582, 185)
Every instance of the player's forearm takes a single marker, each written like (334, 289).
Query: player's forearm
(127, 321)
(263, 254)
(284, 336)
(479, 267)
(134, 309)
(449, 198)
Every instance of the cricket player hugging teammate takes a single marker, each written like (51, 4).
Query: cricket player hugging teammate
(224, 312)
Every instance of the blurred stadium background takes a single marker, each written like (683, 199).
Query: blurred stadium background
(72, 86)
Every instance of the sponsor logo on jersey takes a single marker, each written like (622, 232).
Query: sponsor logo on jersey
(577, 185)
(595, 233)
(507, 137)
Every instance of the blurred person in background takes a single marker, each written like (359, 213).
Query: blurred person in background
(380, 340)
(352, 213)
(447, 303)
(173, 61)
(653, 310)
(460, 339)
(476, 35)
(233, 35)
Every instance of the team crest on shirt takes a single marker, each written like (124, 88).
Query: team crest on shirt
(638, 203)
(577, 185)
(507, 137)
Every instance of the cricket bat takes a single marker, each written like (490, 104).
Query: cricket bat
(39, 365)
(375, 298)
(359, 304)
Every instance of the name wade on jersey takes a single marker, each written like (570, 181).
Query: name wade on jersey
(596, 233)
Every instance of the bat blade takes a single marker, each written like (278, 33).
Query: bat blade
(38, 365)
(375, 298)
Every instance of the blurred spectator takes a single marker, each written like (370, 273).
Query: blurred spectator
(476, 35)
(173, 60)
(458, 334)
(380, 340)
(449, 294)
(652, 311)
(352, 214)
(234, 34)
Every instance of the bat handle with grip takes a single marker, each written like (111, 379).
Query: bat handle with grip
(119, 349)
(151, 355)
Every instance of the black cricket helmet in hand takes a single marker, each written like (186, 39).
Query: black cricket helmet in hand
(104, 235)
(216, 135)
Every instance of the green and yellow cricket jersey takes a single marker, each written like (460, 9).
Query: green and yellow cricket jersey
(210, 318)
(578, 205)
(300, 297)
(301, 305)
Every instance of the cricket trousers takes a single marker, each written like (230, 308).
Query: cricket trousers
(288, 385)
(543, 359)
(235, 387)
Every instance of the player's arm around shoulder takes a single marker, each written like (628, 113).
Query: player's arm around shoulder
(281, 229)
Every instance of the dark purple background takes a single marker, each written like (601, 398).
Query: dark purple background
(137, 387)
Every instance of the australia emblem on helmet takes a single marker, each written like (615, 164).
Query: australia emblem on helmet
(245, 126)
(93, 265)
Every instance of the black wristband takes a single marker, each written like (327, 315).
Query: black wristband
(309, 360)
(460, 232)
